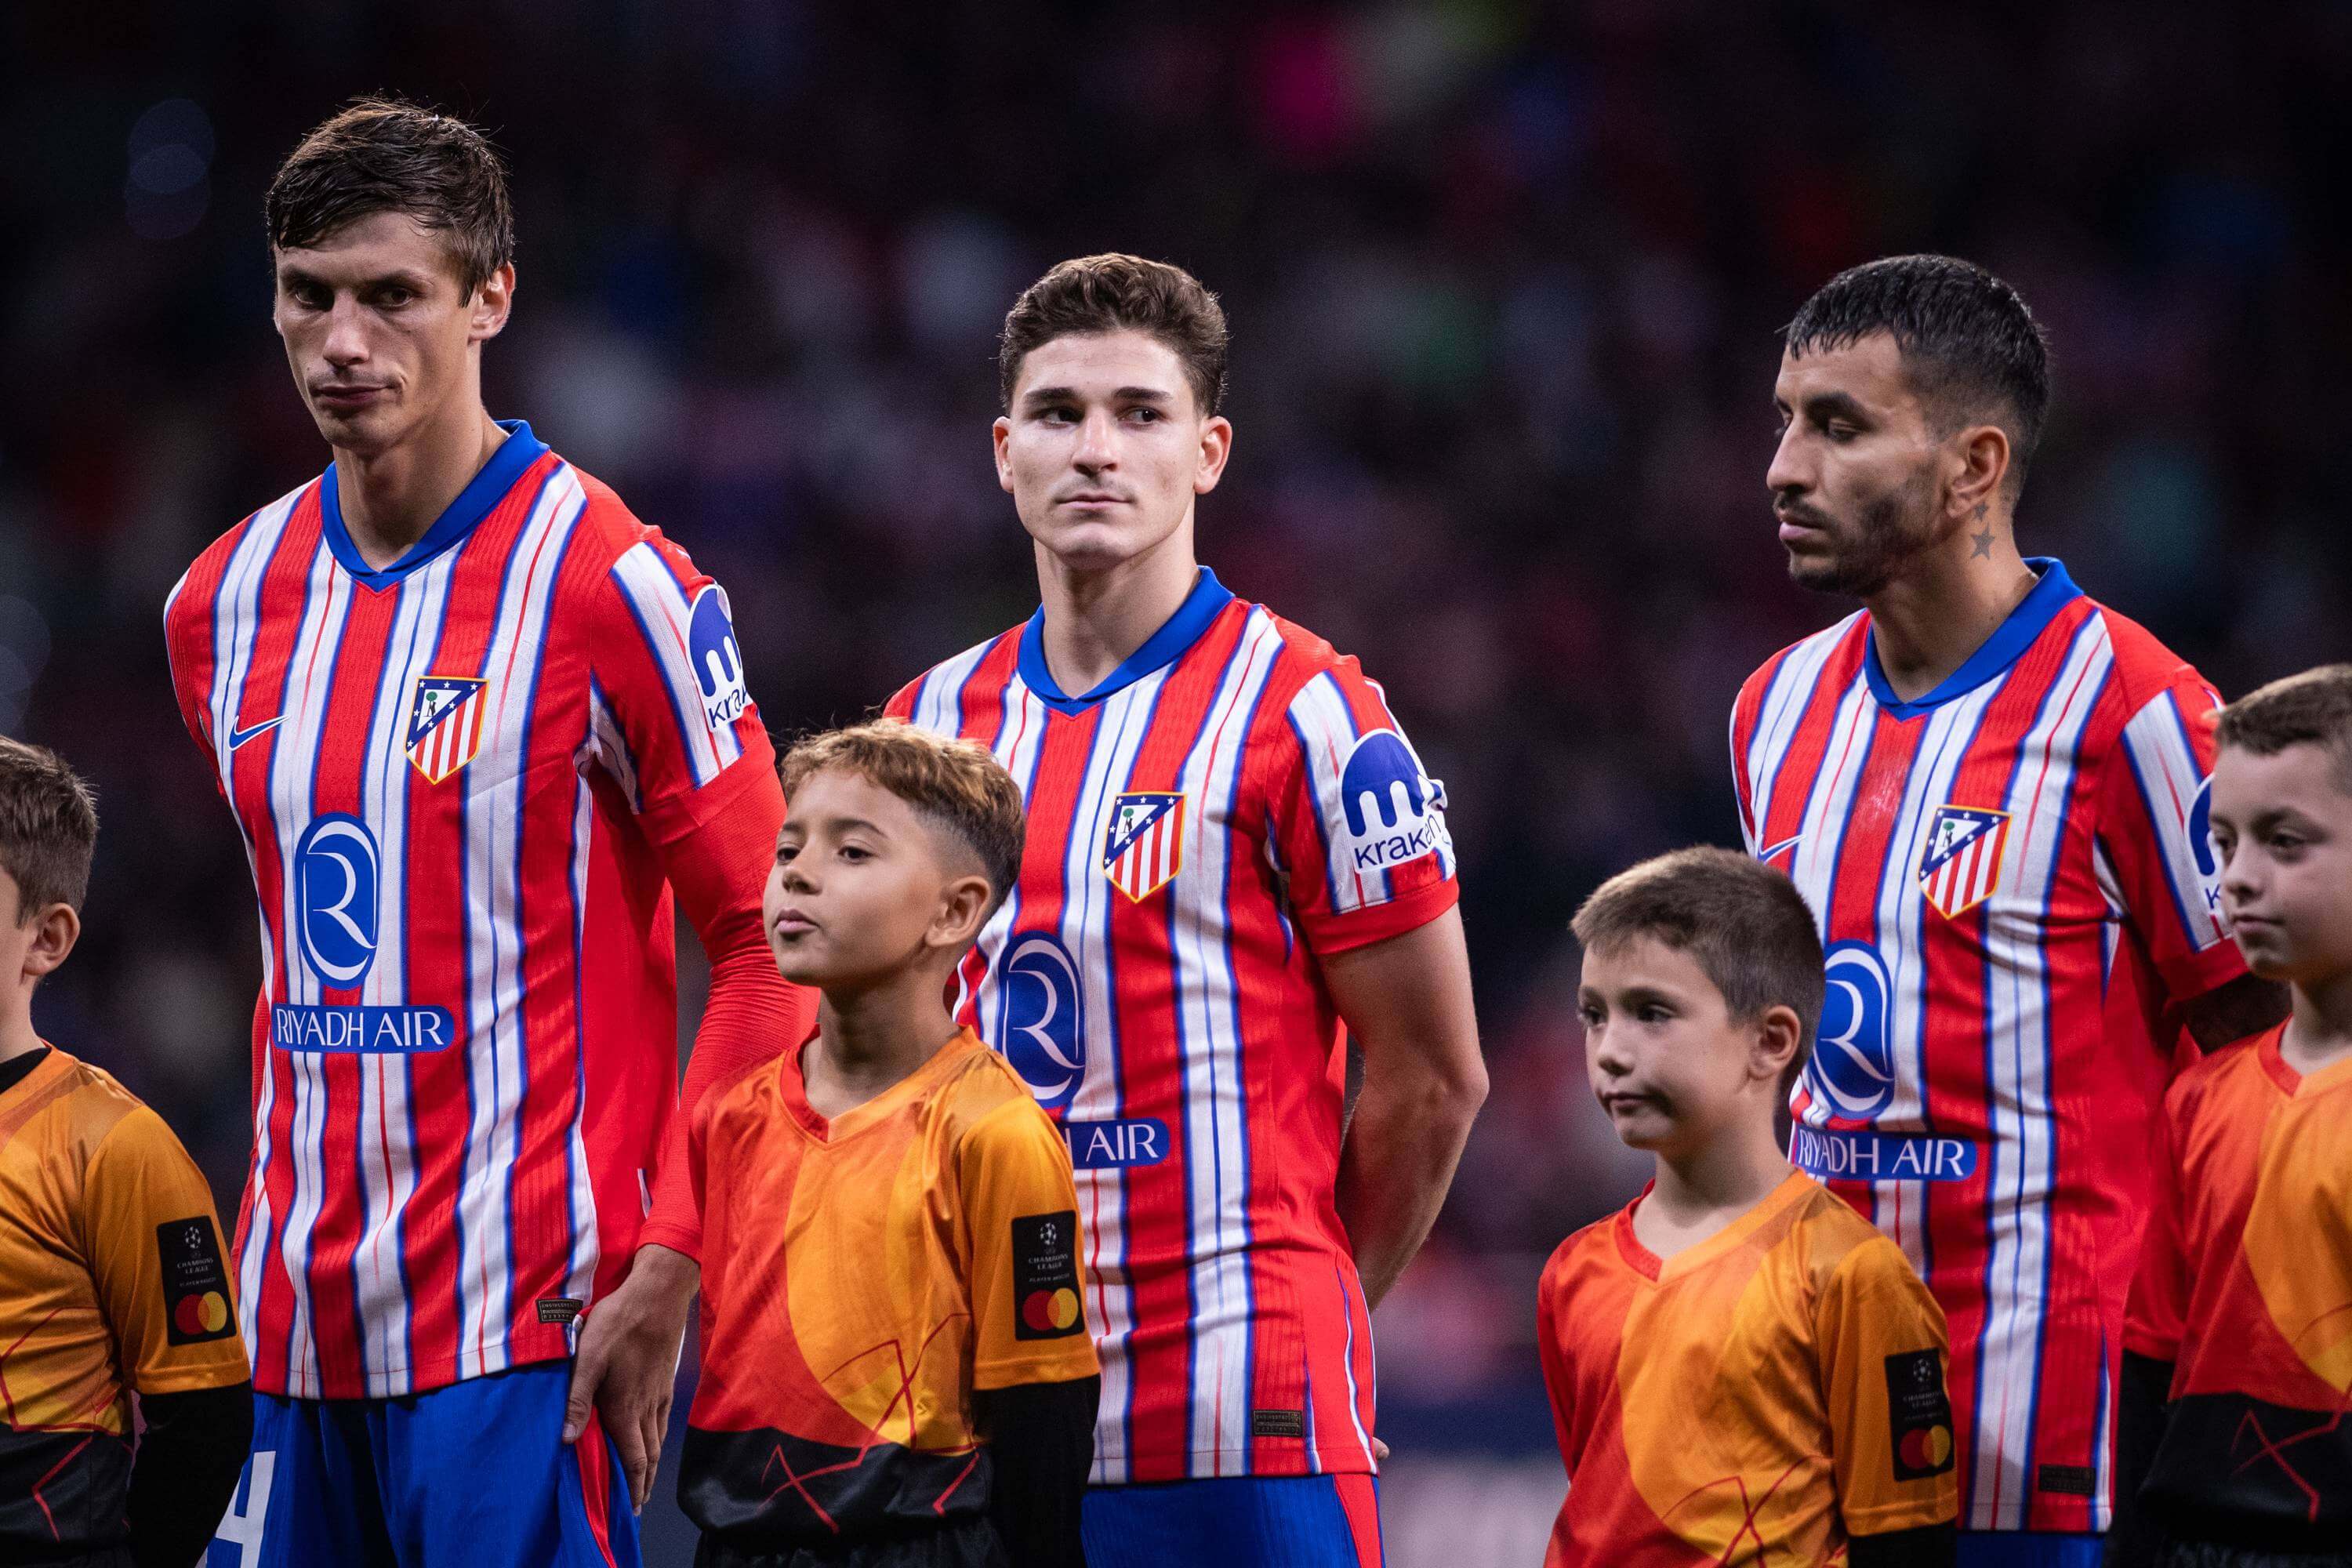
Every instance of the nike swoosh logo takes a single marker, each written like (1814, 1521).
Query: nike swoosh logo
(1767, 855)
(239, 737)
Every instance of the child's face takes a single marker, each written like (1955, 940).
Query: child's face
(2282, 829)
(861, 887)
(1667, 1060)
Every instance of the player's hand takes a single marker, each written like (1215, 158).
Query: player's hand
(627, 1362)
(1380, 1452)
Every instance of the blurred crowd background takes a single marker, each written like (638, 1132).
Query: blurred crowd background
(1503, 281)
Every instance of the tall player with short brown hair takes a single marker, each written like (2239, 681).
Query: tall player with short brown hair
(482, 731)
(1233, 856)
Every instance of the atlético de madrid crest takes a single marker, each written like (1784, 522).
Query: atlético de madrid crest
(1961, 864)
(1144, 843)
(445, 724)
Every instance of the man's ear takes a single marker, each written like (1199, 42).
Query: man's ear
(964, 908)
(56, 929)
(1982, 451)
(492, 301)
(1779, 1037)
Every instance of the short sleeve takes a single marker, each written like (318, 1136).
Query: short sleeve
(1028, 1295)
(1884, 1357)
(2158, 1305)
(155, 1252)
(2154, 832)
(187, 648)
(1559, 1386)
(1357, 825)
(671, 721)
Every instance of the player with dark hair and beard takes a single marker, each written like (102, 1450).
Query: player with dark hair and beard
(1992, 790)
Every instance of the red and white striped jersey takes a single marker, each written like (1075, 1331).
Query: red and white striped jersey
(2014, 880)
(467, 784)
(1230, 803)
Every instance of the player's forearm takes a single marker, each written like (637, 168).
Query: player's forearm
(1041, 1443)
(186, 1470)
(2146, 1384)
(1402, 1146)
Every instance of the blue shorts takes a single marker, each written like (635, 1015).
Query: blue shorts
(2029, 1548)
(1239, 1521)
(476, 1472)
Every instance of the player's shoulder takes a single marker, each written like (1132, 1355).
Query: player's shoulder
(933, 700)
(93, 1111)
(2210, 1083)
(1579, 1252)
(190, 601)
(2143, 666)
(1812, 652)
(1831, 1238)
(983, 1103)
(605, 529)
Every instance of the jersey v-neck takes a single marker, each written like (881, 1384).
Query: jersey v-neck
(1163, 647)
(515, 455)
(1699, 1254)
(830, 1131)
(2007, 644)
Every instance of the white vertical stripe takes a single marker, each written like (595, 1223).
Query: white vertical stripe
(1813, 867)
(1900, 1208)
(646, 580)
(1784, 709)
(235, 609)
(938, 707)
(2021, 1113)
(1215, 1107)
(2171, 777)
(292, 804)
(1085, 931)
(493, 828)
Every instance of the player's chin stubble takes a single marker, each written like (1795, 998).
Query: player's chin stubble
(1867, 553)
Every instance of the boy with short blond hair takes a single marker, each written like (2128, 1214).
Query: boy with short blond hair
(2234, 1439)
(1742, 1369)
(896, 1362)
(111, 1276)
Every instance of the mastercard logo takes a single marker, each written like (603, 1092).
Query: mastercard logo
(1926, 1447)
(204, 1314)
(1044, 1310)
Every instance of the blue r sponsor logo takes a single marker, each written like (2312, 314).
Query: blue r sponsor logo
(1041, 1023)
(337, 871)
(1853, 1066)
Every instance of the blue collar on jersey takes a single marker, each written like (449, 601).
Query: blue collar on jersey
(1160, 649)
(519, 451)
(2009, 641)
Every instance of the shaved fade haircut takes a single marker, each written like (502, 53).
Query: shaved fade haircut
(957, 785)
(1971, 348)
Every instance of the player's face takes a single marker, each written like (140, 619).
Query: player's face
(1667, 1060)
(862, 886)
(1854, 479)
(1105, 448)
(2282, 830)
(379, 332)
